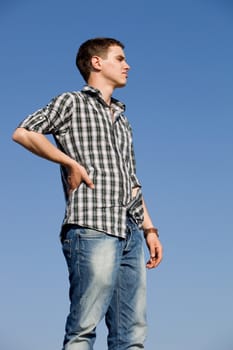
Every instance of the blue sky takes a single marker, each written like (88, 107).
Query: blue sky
(179, 101)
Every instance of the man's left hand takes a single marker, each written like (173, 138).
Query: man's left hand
(155, 250)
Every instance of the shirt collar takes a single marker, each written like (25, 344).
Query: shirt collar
(97, 93)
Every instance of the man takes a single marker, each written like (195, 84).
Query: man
(105, 210)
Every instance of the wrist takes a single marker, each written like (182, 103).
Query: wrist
(148, 230)
(72, 165)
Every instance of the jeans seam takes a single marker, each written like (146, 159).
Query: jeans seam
(118, 313)
(78, 256)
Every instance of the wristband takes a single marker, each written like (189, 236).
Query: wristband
(150, 230)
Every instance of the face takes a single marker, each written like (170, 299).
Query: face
(114, 68)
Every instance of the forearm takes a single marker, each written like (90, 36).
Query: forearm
(147, 223)
(152, 240)
(41, 146)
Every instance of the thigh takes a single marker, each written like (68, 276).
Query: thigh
(126, 317)
(93, 262)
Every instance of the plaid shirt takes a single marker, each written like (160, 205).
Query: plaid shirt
(81, 124)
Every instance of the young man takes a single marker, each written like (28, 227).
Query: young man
(105, 210)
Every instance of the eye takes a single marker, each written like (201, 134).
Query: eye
(120, 58)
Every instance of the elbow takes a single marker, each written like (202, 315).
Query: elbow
(19, 135)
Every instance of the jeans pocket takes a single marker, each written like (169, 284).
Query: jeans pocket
(87, 233)
(66, 248)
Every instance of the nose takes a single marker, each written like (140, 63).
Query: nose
(127, 66)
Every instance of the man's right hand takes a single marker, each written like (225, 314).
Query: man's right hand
(76, 175)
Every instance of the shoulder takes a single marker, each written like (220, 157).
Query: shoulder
(126, 122)
(67, 96)
(67, 100)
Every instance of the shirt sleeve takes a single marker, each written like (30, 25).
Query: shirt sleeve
(52, 119)
(135, 181)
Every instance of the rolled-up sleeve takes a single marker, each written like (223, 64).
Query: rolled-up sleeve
(51, 119)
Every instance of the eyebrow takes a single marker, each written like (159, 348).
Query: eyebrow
(121, 56)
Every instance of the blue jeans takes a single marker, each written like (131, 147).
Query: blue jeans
(107, 279)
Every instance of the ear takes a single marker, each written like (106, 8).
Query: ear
(96, 62)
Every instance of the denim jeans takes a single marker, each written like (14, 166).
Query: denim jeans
(107, 279)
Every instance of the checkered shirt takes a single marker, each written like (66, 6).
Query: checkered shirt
(81, 124)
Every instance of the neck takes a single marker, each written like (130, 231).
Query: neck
(105, 90)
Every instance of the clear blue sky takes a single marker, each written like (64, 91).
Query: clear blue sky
(180, 101)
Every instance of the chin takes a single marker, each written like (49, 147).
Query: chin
(122, 84)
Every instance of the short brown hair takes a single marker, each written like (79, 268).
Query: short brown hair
(90, 48)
